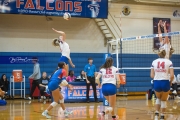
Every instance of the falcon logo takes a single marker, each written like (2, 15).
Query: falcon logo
(4, 2)
(94, 8)
(4, 6)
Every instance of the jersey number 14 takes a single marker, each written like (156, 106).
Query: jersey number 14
(161, 64)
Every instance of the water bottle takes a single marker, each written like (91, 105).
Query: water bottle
(153, 97)
(147, 96)
(153, 100)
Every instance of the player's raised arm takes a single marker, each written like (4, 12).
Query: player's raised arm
(60, 32)
(159, 32)
(166, 41)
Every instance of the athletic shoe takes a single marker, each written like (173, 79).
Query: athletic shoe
(156, 117)
(45, 114)
(117, 118)
(162, 117)
(174, 92)
(177, 98)
(67, 113)
(29, 98)
(101, 116)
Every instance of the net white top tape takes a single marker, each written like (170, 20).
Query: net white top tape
(148, 36)
(139, 68)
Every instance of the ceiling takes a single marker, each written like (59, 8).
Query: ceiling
(175, 3)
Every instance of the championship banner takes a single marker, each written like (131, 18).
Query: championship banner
(77, 8)
(155, 29)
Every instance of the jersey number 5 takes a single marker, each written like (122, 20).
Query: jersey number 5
(161, 65)
(108, 71)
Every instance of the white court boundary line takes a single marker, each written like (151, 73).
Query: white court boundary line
(146, 36)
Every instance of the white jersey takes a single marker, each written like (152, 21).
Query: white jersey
(109, 75)
(174, 80)
(178, 79)
(161, 68)
(64, 47)
(167, 48)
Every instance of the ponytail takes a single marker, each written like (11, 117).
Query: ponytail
(55, 42)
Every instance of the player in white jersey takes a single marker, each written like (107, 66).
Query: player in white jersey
(160, 69)
(165, 43)
(64, 48)
(110, 77)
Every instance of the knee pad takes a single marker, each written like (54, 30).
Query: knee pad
(54, 104)
(61, 101)
(64, 83)
(158, 101)
(110, 109)
(163, 104)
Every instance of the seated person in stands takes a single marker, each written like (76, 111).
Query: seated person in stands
(71, 76)
(43, 82)
(4, 83)
(178, 83)
(174, 87)
(152, 91)
(82, 75)
(2, 93)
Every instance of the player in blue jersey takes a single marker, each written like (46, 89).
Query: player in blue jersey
(58, 77)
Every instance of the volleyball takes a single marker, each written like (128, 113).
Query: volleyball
(67, 16)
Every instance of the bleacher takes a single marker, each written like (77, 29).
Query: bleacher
(138, 80)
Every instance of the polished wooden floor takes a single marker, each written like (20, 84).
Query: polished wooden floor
(131, 108)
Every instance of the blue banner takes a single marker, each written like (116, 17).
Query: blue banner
(77, 8)
(79, 93)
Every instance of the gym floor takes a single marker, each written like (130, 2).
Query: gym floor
(128, 108)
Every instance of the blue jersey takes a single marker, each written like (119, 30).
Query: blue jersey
(58, 75)
(90, 70)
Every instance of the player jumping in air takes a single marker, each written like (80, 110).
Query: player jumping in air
(165, 43)
(64, 48)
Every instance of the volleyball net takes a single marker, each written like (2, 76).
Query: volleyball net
(140, 49)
